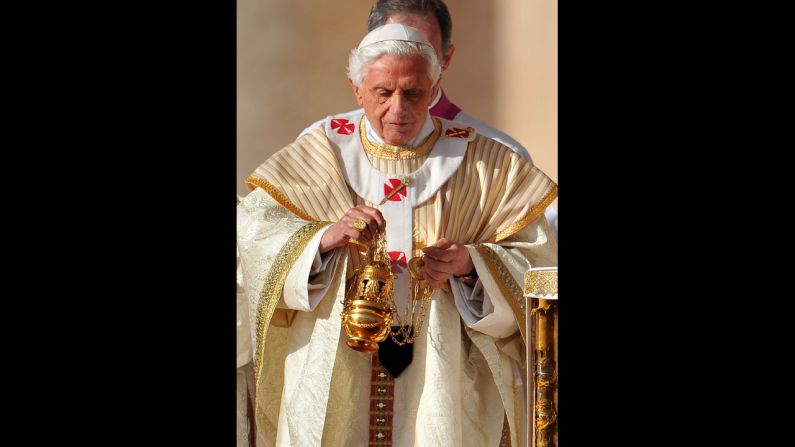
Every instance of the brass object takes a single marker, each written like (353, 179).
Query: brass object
(415, 267)
(541, 294)
(410, 324)
(367, 323)
(367, 311)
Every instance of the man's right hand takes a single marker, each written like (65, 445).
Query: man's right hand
(344, 230)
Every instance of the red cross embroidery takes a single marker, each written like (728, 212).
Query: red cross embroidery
(457, 133)
(343, 126)
(395, 183)
(398, 261)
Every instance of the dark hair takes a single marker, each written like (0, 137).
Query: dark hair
(383, 9)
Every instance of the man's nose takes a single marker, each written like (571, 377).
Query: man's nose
(398, 106)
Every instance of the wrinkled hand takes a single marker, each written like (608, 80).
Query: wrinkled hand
(444, 259)
(341, 232)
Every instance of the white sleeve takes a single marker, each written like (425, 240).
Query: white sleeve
(552, 217)
(480, 311)
(484, 307)
(244, 351)
(309, 278)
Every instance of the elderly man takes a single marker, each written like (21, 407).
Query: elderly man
(432, 19)
(469, 206)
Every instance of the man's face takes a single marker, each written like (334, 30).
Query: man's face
(395, 94)
(428, 26)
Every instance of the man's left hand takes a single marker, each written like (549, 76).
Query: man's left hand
(444, 259)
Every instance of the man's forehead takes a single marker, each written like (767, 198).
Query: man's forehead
(389, 69)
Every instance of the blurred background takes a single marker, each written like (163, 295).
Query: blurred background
(291, 59)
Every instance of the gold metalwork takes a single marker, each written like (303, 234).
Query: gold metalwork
(505, 439)
(541, 282)
(543, 351)
(392, 152)
(420, 291)
(359, 224)
(415, 267)
(367, 312)
(369, 308)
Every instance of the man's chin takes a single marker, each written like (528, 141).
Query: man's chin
(397, 141)
(397, 137)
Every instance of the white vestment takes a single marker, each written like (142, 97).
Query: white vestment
(466, 383)
(481, 127)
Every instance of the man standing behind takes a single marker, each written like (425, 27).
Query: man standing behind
(432, 19)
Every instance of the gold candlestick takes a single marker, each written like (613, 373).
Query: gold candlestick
(541, 292)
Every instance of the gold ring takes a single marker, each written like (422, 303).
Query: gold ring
(359, 224)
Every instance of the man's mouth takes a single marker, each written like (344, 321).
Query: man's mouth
(399, 125)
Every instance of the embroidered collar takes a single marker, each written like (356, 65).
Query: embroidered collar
(444, 156)
(391, 152)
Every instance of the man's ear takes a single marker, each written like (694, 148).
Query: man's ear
(448, 57)
(435, 86)
(357, 92)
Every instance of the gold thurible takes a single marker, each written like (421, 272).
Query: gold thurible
(367, 312)
(369, 308)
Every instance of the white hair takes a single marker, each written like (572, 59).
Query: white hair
(360, 59)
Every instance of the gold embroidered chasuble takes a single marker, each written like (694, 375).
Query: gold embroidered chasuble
(463, 384)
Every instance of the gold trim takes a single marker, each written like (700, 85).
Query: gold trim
(507, 285)
(283, 317)
(517, 420)
(541, 282)
(505, 439)
(277, 196)
(391, 152)
(529, 217)
(274, 283)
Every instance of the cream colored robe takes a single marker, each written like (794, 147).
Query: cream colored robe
(467, 377)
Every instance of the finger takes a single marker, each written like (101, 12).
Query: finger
(355, 216)
(334, 237)
(369, 220)
(376, 216)
(433, 283)
(438, 266)
(431, 275)
(439, 254)
(443, 243)
(356, 235)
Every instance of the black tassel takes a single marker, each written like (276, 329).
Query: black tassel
(395, 358)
